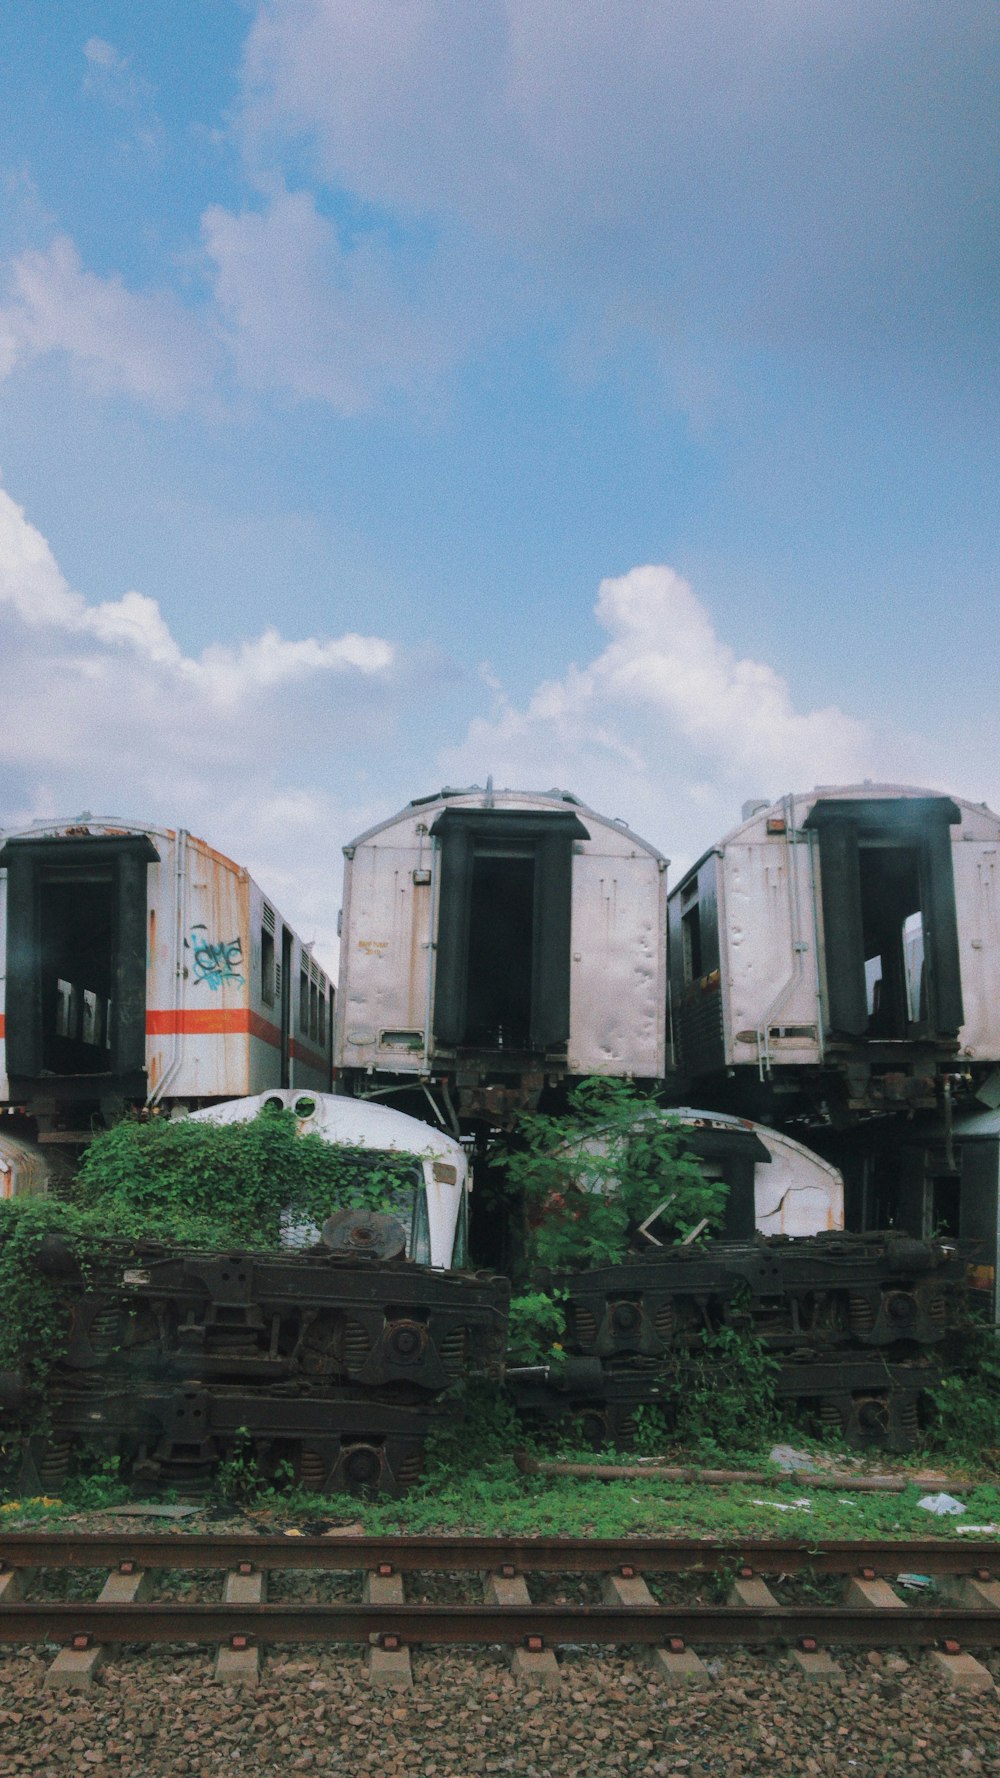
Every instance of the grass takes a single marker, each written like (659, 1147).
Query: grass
(473, 1485)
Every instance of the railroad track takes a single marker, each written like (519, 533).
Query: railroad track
(963, 1577)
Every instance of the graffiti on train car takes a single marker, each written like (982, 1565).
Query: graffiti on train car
(215, 963)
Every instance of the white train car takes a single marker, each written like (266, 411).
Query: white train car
(141, 967)
(845, 942)
(433, 1207)
(494, 940)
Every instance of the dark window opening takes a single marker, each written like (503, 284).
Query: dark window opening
(303, 1003)
(501, 950)
(946, 1194)
(892, 928)
(78, 933)
(322, 1014)
(267, 972)
(691, 942)
(502, 975)
(313, 1010)
(76, 943)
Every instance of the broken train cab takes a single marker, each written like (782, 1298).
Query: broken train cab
(493, 942)
(838, 954)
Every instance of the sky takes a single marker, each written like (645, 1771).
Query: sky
(400, 392)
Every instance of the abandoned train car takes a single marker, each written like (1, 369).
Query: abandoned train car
(141, 967)
(493, 941)
(838, 954)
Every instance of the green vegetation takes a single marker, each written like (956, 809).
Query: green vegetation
(225, 1183)
(588, 1180)
(968, 1405)
(196, 1184)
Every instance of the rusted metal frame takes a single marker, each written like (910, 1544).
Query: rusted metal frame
(659, 1625)
(525, 1555)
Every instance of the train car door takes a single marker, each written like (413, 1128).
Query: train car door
(76, 965)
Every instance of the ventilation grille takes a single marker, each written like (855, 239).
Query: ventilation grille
(267, 917)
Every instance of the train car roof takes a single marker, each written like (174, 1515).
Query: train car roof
(357, 1123)
(108, 827)
(865, 792)
(478, 796)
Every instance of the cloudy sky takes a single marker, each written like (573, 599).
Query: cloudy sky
(400, 391)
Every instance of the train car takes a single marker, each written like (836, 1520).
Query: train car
(142, 968)
(434, 1209)
(838, 955)
(776, 1185)
(496, 941)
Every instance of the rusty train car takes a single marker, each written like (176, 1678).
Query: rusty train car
(495, 942)
(840, 949)
(140, 967)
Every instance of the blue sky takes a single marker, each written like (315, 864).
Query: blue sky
(395, 391)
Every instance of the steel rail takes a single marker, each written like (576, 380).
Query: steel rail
(522, 1555)
(664, 1625)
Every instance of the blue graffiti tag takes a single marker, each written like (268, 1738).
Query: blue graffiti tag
(216, 963)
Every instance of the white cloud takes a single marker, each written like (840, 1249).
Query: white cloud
(101, 54)
(142, 342)
(666, 726)
(306, 315)
(255, 744)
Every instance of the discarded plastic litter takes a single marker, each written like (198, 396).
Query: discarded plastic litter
(918, 1581)
(786, 1506)
(941, 1504)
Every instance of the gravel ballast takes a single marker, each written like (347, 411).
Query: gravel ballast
(160, 1715)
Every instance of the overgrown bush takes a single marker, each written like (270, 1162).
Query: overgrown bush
(194, 1184)
(589, 1179)
(228, 1183)
(967, 1426)
(726, 1398)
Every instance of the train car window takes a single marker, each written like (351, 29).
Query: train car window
(890, 926)
(420, 1234)
(460, 1251)
(503, 935)
(267, 972)
(691, 942)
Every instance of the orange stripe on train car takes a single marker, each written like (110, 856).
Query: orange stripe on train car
(209, 1021)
